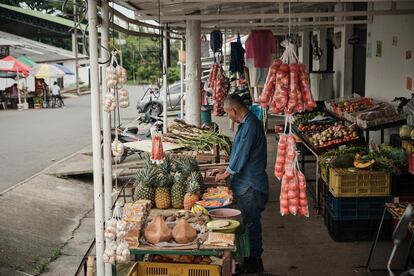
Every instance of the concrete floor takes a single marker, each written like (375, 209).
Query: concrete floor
(298, 246)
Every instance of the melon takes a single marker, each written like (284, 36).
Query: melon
(157, 231)
(183, 232)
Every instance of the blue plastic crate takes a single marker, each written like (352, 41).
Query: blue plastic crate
(351, 208)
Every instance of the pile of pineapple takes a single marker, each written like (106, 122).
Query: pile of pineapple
(166, 188)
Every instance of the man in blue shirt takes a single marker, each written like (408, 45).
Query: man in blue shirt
(247, 172)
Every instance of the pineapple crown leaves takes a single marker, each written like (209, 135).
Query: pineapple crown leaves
(147, 176)
(166, 180)
(178, 178)
(185, 165)
(167, 165)
(194, 183)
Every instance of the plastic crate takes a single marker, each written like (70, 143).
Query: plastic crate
(408, 146)
(347, 208)
(173, 269)
(358, 183)
(356, 230)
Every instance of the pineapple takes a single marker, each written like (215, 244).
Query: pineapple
(162, 192)
(186, 165)
(178, 191)
(146, 178)
(193, 190)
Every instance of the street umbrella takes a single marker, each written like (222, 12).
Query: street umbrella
(64, 69)
(27, 61)
(46, 71)
(10, 64)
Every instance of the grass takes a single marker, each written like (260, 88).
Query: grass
(43, 267)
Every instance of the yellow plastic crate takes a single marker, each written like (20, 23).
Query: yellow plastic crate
(324, 173)
(346, 183)
(173, 269)
(408, 146)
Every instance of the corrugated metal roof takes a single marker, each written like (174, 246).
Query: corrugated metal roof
(37, 51)
(41, 15)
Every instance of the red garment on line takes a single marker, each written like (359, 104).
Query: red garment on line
(260, 45)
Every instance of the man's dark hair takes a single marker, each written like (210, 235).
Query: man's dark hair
(235, 101)
(55, 82)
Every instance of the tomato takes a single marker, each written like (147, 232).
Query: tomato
(302, 195)
(284, 68)
(293, 202)
(292, 194)
(282, 146)
(264, 98)
(294, 187)
(284, 203)
(284, 211)
(303, 211)
(280, 151)
(302, 67)
(303, 202)
(264, 105)
(284, 196)
(294, 67)
(277, 130)
(280, 74)
(278, 62)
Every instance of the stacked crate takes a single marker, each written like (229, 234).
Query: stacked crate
(354, 203)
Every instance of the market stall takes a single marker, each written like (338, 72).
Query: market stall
(178, 221)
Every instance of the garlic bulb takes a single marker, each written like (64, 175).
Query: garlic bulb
(123, 98)
(117, 150)
(109, 102)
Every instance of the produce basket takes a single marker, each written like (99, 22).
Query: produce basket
(356, 230)
(379, 121)
(358, 183)
(173, 269)
(408, 146)
(348, 208)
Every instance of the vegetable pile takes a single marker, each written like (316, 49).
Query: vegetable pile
(293, 197)
(195, 138)
(217, 83)
(287, 88)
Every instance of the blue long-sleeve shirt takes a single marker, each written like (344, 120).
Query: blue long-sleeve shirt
(248, 158)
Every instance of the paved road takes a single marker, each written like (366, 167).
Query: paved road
(30, 140)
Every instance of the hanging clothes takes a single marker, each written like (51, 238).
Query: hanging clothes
(237, 56)
(216, 41)
(260, 45)
(205, 47)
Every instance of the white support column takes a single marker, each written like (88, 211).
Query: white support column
(182, 76)
(164, 78)
(343, 57)
(96, 143)
(193, 73)
(106, 124)
(323, 37)
(303, 51)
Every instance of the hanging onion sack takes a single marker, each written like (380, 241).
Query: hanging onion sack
(109, 102)
(287, 88)
(121, 74)
(117, 150)
(123, 98)
(111, 77)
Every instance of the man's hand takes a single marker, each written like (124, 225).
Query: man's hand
(222, 176)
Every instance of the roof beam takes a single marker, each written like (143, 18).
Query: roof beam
(165, 19)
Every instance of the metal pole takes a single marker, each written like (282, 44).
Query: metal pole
(96, 141)
(106, 124)
(164, 78)
(182, 68)
(75, 20)
(225, 52)
(193, 72)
